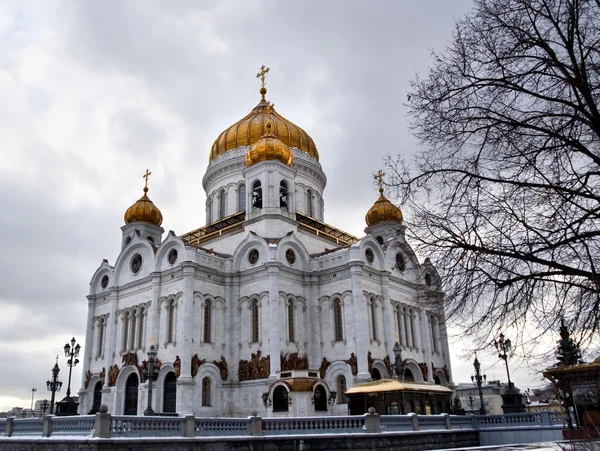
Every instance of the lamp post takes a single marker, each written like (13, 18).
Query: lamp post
(478, 378)
(398, 362)
(71, 352)
(504, 346)
(33, 390)
(266, 400)
(471, 399)
(54, 385)
(152, 352)
(44, 407)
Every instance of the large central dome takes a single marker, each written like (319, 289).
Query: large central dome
(251, 128)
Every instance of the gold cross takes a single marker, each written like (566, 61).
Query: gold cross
(145, 176)
(261, 75)
(379, 177)
(269, 108)
(57, 358)
(396, 337)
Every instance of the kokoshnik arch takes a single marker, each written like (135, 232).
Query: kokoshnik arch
(266, 306)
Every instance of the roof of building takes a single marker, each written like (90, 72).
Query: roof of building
(385, 385)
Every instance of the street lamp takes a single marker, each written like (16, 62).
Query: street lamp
(54, 385)
(471, 399)
(71, 352)
(152, 376)
(398, 362)
(44, 407)
(33, 390)
(504, 346)
(332, 397)
(478, 378)
(266, 400)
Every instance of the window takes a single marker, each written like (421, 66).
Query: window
(140, 335)
(283, 195)
(125, 329)
(221, 204)
(171, 321)
(413, 339)
(207, 321)
(97, 398)
(133, 324)
(101, 326)
(280, 399)
(341, 390)
(170, 393)
(206, 391)
(400, 325)
(320, 398)
(434, 335)
(256, 195)
(242, 198)
(337, 320)
(373, 319)
(309, 203)
(291, 331)
(255, 321)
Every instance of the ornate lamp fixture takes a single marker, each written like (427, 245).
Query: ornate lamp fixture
(266, 400)
(478, 378)
(504, 346)
(152, 376)
(54, 385)
(332, 398)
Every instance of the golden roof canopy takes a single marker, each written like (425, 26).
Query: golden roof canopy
(248, 130)
(383, 210)
(144, 209)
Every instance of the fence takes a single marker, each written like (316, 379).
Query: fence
(105, 425)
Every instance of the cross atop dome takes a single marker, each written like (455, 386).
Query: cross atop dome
(261, 75)
(146, 176)
(379, 178)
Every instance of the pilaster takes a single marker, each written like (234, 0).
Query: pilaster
(360, 320)
(275, 316)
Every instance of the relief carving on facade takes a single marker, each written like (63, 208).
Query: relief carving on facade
(129, 359)
(353, 362)
(370, 361)
(144, 369)
(222, 365)
(196, 362)
(324, 365)
(88, 376)
(293, 362)
(113, 373)
(103, 375)
(256, 368)
(423, 368)
(177, 366)
(388, 365)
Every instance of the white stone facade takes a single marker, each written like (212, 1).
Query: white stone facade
(269, 287)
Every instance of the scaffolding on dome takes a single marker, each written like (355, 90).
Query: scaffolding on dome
(324, 230)
(214, 229)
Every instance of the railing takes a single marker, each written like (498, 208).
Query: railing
(132, 426)
(313, 425)
(208, 427)
(104, 425)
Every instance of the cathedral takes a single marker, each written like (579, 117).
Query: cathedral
(267, 307)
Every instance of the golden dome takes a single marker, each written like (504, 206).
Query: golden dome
(269, 147)
(251, 128)
(144, 210)
(383, 210)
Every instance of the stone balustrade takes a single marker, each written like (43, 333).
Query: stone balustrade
(105, 425)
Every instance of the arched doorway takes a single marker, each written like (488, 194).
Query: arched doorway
(280, 399)
(320, 398)
(131, 395)
(97, 398)
(375, 374)
(170, 393)
(408, 375)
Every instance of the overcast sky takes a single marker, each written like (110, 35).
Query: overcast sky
(94, 92)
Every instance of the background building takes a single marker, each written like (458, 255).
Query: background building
(267, 306)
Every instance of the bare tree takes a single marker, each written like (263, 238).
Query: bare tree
(505, 198)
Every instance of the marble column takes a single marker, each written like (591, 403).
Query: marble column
(185, 382)
(361, 317)
(387, 314)
(314, 327)
(275, 324)
(426, 343)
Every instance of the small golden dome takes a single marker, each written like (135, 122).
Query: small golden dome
(144, 209)
(269, 147)
(251, 128)
(383, 210)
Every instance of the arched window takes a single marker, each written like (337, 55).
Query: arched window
(337, 320)
(206, 392)
(207, 321)
(283, 195)
(375, 374)
(140, 334)
(320, 398)
(408, 375)
(125, 329)
(255, 321)
(309, 203)
(221, 204)
(280, 399)
(400, 325)
(373, 319)
(434, 335)
(208, 211)
(413, 336)
(170, 393)
(97, 397)
(133, 330)
(256, 195)
(291, 329)
(171, 321)
(131, 395)
(242, 198)
(341, 390)
(101, 326)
